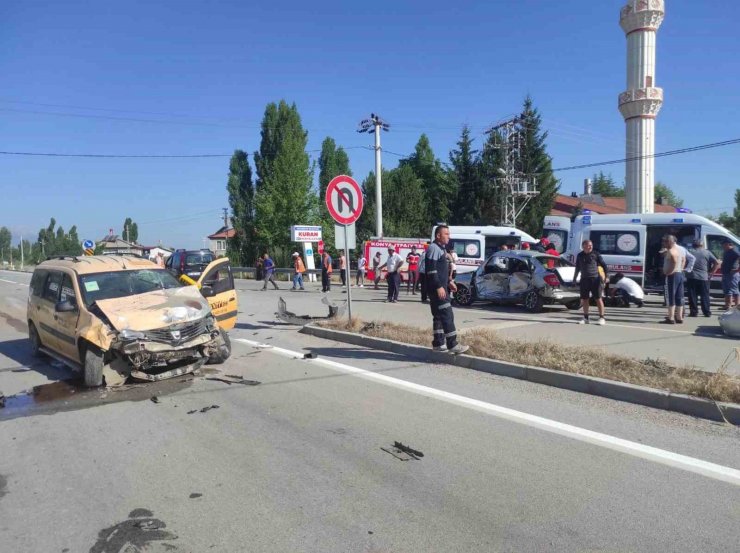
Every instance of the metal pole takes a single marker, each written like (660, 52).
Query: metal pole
(378, 190)
(22, 253)
(347, 274)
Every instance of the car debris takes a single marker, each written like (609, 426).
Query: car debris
(204, 409)
(154, 399)
(234, 380)
(291, 318)
(403, 452)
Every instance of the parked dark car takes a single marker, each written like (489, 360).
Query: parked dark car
(189, 262)
(530, 278)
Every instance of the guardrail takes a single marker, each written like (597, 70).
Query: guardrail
(286, 271)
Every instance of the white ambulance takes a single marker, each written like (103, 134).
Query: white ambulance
(630, 243)
(474, 244)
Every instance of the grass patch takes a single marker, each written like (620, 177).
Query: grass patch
(717, 386)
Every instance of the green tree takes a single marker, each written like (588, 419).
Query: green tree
(130, 231)
(439, 186)
(489, 161)
(535, 161)
(241, 248)
(284, 195)
(467, 181)
(5, 240)
(669, 196)
(333, 161)
(731, 222)
(605, 186)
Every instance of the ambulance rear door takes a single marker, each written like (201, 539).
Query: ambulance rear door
(621, 246)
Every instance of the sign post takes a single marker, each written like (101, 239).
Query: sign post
(345, 202)
(89, 247)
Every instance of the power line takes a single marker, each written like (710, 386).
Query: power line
(148, 156)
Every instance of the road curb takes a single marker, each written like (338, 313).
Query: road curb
(620, 391)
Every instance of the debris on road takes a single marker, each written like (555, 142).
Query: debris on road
(403, 452)
(291, 318)
(236, 380)
(195, 495)
(154, 399)
(310, 356)
(204, 410)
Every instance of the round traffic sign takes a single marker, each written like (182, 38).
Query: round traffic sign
(344, 199)
(88, 244)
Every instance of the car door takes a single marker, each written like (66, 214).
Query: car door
(491, 279)
(65, 322)
(520, 277)
(622, 247)
(217, 286)
(46, 310)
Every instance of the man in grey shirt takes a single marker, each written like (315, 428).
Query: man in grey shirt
(697, 284)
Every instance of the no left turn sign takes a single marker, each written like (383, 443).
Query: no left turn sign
(344, 199)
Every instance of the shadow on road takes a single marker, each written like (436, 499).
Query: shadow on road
(20, 352)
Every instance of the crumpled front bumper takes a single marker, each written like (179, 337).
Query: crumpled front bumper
(178, 371)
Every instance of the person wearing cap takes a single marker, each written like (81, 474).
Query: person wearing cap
(393, 266)
(525, 245)
(697, 281)
(730, 275)
(299, 270)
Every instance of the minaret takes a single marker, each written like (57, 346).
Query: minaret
(640, 103)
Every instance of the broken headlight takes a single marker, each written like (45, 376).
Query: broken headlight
(210, 322)
(127, 334)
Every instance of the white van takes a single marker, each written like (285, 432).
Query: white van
(474, 244)
(630, 243)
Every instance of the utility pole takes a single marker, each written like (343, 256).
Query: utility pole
(518, 188)
(22, 260)
(370, 126)
(226, 216)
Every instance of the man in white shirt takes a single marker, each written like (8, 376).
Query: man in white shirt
(361, 265)
(627, 288)
(393, 266)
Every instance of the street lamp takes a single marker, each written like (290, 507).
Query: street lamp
(373, 126)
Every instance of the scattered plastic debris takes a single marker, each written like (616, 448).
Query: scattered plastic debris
(195, 495)
(403, 452)
(154, 399)
(291, 318)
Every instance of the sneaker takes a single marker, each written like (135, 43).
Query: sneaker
(440, 348)
(583, 321)
(602, 321)
(640, 305)
(458, 349)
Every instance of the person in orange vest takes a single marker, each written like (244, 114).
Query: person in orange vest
(299, 270)
(326, 271)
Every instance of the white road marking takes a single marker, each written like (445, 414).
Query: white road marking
(662, 456)
(13, 282)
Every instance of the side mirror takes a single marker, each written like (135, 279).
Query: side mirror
(206, 291)
(66, 306)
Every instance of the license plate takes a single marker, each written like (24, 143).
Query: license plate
(179, 371)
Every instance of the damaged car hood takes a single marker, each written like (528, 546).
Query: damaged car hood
(155, 309)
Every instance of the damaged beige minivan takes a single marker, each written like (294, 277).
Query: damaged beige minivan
(115, 317)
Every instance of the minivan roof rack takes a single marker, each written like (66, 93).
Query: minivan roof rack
(62, 257)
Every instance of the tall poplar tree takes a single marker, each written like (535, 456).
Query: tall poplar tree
(535, 161)
(284, 194)
(241, 248)
(333, 161)
(467, 179)
(439, 187)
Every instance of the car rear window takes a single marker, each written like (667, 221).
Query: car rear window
(198, 258)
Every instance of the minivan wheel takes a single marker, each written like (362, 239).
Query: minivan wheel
(533, 301)
(33, 337)
(93, 369)
(224, 350)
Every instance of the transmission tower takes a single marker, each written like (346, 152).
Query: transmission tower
(517, 188)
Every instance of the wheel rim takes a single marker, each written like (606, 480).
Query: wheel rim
(530, 300)
(463, 295)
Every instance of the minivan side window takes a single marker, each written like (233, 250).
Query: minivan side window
(714, 244)
(616, 242)
(51, 288)
(68, 290)
(37, 282)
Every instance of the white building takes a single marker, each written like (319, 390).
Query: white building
(640, 103)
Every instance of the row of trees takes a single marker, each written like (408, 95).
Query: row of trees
(51, 240)
(606, 186)
(421, 190)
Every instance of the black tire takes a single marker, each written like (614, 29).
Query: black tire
(223, 352)
(533, 302)
(92, 369)
(35, 339)
(573, 305)
(464, 295)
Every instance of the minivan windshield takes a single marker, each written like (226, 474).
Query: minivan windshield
(119, 284)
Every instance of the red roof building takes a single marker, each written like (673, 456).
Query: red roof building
(218, 240)
(565, 205)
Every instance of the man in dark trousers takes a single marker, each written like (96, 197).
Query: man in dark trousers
(697, 283)
(326, 271)
(588, 262)
(438, 285)
(269, 268)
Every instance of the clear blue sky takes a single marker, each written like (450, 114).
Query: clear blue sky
(196, 77)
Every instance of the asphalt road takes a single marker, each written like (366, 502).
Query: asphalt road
(297, 462)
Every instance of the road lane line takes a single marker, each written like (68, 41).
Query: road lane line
(656, 455)
(13, 282)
